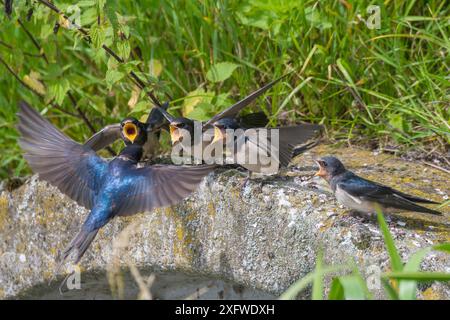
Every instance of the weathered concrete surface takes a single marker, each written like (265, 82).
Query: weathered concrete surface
(265, 236)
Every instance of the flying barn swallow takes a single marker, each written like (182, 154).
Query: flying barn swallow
(107, 188)
(364, 195)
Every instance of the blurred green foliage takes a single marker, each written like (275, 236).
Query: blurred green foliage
(398, 284)
(385, 86)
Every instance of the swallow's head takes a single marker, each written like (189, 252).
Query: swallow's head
(329, 167)
(220, 127)
(177, 126)
(132, 131)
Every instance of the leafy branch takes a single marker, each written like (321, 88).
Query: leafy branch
(135, 78)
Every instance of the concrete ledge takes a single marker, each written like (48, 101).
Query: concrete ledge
(265, 236)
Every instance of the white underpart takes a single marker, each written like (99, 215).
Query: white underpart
(354, 203)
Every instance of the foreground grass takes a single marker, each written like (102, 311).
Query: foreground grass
(386, 87)
(399, 284)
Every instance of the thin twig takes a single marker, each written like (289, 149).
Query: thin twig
(23, 52)
(436, 167)
(87, 38)
(15, 75)
(36, 44)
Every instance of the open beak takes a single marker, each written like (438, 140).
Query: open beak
(175, 135)
(218, 135)
(322, 172)
(130, 131)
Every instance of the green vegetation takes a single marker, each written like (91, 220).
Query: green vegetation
(380, 87)
(400, 283)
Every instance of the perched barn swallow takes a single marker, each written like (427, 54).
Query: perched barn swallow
(289, 138)
(107, 188)
(256, 119)
(364, 195)
(109, 134)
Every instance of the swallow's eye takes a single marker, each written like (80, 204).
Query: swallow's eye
(324, 164)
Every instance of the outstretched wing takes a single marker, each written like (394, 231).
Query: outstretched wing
(233, 111)
(293, 136)
(160, 186)
(105, 137)
(75, 169)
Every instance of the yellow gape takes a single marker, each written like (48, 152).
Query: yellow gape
(175, 135)
(218, 134)
(130, 131)
(322, 171)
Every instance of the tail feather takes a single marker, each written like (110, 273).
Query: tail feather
(406, 204)
(414, 198)
(79, 244)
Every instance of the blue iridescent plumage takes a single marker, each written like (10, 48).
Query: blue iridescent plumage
(108, 188)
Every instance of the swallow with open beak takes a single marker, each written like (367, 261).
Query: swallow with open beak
(118, 187)
(366, 196)
(257, 119)
(152, 126)
(290, 137)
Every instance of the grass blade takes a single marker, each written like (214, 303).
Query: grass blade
(396, 262)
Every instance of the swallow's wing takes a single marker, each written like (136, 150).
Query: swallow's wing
(253, 120)
(233, 111)
(293, 136)
(160, 186)
(75, 169)
(105, 137)
(156, 119)
(366, 190)
(288, 138)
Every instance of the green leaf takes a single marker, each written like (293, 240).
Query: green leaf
(222, 101)
(390, 291)
(349, 287)
(111, 9)
(194, 98)
(112, 76)
(344, 67)
(98, 36)
(201, 112)
(407, 288)
(88, 16)
(317, 289)
(396, 261)
(221, 71)
(444, 247)
(301, 284)
(141, 106)
(419, 276)
(124, 49)
(58, 91)
(336, 290)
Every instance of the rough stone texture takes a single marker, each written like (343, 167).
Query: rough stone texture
(265, 235)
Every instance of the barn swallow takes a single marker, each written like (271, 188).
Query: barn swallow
(256, 119)
(109, 134)
(364, 195)
(289, 138)
(118, 187)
